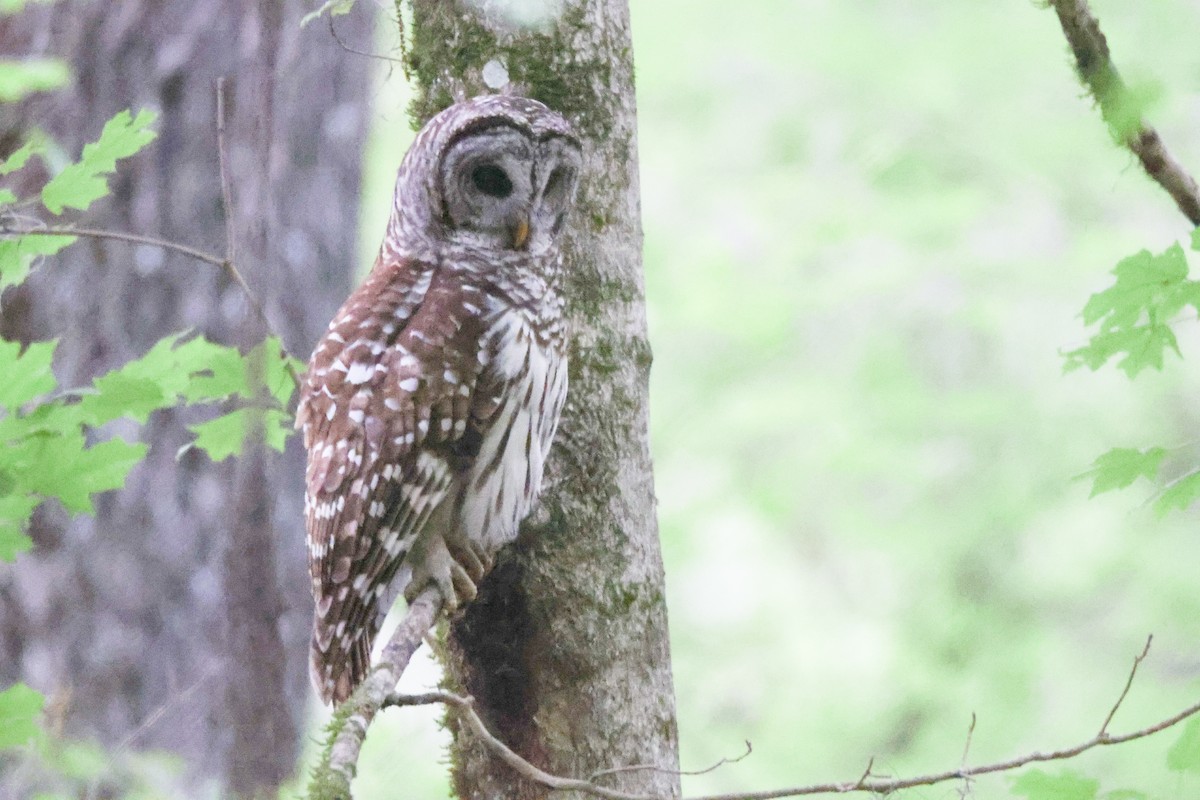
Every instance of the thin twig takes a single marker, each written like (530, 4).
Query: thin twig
(230, 260)
(867, 781)
(651, 767)
(337, 38)
(154, 716)
(970, 735)
(1128, 683)
(226, 187)
(175, 247)
(119, 236)
(965, 789)
(1098, 73)
(866, 773)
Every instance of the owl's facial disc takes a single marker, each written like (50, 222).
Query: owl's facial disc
(558, 165)
(487, 186)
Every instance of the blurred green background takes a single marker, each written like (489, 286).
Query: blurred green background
(870, 228)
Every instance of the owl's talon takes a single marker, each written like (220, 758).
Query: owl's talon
(471, 559)
(436, 563)
(463, 589)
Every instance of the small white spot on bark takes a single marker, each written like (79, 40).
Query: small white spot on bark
(495, 74)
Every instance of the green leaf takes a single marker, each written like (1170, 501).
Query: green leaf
(226, 435)
(1134, 313)
(222, 375)
(79, 184)
(1184, 755)
(1123, 794)
(1180, 494)
(1142, 345)
(82, 760)
(60, 466)
(25, 376)
(118, 394)
(20, 708)
(1121, 466)
(1038, 785)
(19, 158)
(335, 8)
(275, 364)
(19, 79)
(1144, 282)
(14, 515)
(17, 255)
(8, 7)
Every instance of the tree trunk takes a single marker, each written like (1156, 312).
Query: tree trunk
(566, 649)
(187, 593)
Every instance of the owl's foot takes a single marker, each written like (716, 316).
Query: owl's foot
(453, 567)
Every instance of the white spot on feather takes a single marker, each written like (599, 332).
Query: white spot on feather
(360, 372)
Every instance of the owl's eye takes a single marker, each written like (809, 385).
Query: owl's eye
(491, 180)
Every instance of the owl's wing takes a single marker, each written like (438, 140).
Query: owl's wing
(388, 415)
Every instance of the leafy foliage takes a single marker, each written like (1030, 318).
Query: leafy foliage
(20, 708)
(1135, 313)
(17, 255)
(1038, 785)
(45, 449)
(19, 79)
(57, 442)
(1120, 467)
(1134, 316)
(1184, 755)
(85, 181)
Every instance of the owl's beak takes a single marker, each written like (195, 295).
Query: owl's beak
(520, 232)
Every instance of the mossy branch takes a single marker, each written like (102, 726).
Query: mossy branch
(1099, 75)
(347, 729)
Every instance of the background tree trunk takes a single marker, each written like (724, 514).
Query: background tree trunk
(187, 594)
(566, 650)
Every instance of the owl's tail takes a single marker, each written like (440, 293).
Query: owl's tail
(338, 664)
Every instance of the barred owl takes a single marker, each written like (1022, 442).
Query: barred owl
(431, 402)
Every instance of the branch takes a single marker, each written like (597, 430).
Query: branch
(866, 782)
(120, 236)
(348, 728)
(175, 247)
(1098, 73)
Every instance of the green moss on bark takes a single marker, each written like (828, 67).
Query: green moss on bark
(451, 42)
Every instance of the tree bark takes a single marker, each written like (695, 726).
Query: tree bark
(187, 593)
(566, 649)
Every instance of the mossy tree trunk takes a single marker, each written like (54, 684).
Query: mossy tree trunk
(566, 649)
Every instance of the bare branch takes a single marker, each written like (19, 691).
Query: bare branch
(119, 236)
(229, 263)
(226, 188)
(635, 767)
(964, 791)
(1128, 682)
(867, 782)
(1098, 73)
(970, 735)
(151, 241)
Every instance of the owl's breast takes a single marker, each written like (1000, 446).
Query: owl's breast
(505, 478)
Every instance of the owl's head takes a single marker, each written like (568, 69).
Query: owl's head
(495, 172)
